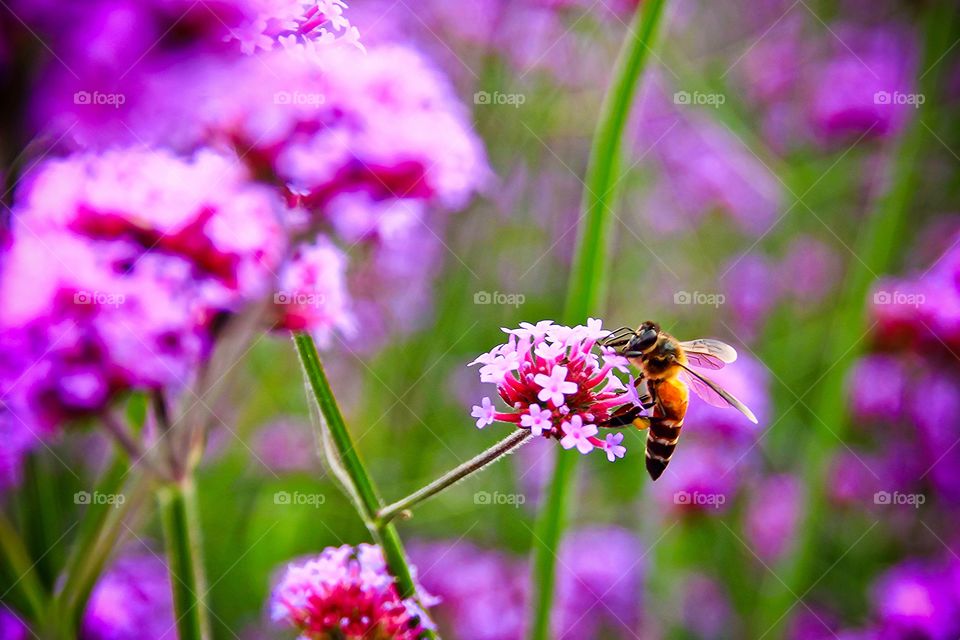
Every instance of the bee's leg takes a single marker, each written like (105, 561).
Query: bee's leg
(631, 415)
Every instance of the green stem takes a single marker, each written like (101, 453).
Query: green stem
(350, 469)
(588, 278)
(878, 247)
(477, 463)
(22, 570)
(102, 527)
(181, 530)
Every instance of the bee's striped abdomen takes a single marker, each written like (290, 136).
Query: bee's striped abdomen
(665, 424)
(661, 442)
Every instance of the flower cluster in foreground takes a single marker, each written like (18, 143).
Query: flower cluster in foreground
(346, 593)
(556, 386)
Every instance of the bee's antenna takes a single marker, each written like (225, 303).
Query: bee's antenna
(618, 337)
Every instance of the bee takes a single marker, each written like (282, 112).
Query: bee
(664, 363)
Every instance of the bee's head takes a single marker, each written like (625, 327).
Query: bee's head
(646, 337)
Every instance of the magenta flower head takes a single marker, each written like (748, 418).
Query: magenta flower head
(346, 593)
(556, 386)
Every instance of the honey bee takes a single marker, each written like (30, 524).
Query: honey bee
(663, 362)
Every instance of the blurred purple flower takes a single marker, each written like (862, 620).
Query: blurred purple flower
(703, 477)
(706, 608)
(286, 445)
(934, 407)
(311, 292)
(876, 387)
(772, 516)
(11, 626)
(813, 623)
(752, 290)
(121, 266)
(599, 580)
(865, 86)
(913, 600)
(809, 270)
(705, 167)
(749, 381)
(131, 601)
(346, 592)
(482, 592)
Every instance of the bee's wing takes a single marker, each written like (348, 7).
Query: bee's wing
(708, 353)
(712, 394)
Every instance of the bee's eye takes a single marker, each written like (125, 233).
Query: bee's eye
(643, 340)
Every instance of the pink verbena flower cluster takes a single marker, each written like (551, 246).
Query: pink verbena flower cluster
(120, 269)
(346, 593)
(555, 386)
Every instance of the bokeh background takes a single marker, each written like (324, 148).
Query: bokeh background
(789, 186)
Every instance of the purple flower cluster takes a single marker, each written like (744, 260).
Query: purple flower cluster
(119, 269)
(704, 168)
(220, 155)
(346, 592)
(131, 600)
(484, 593)
(840, 84)
(555, 386)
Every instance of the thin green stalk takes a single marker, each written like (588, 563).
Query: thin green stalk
(877, 249)
(589, 275)
(101, 529)
(477, 463)
(181, 530)
(22, 571)
(350, 468)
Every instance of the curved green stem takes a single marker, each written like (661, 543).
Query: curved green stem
(101, 529)
(181, 531)
(477, 463)
(588, 278)
(349, 468)
(22, 571)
